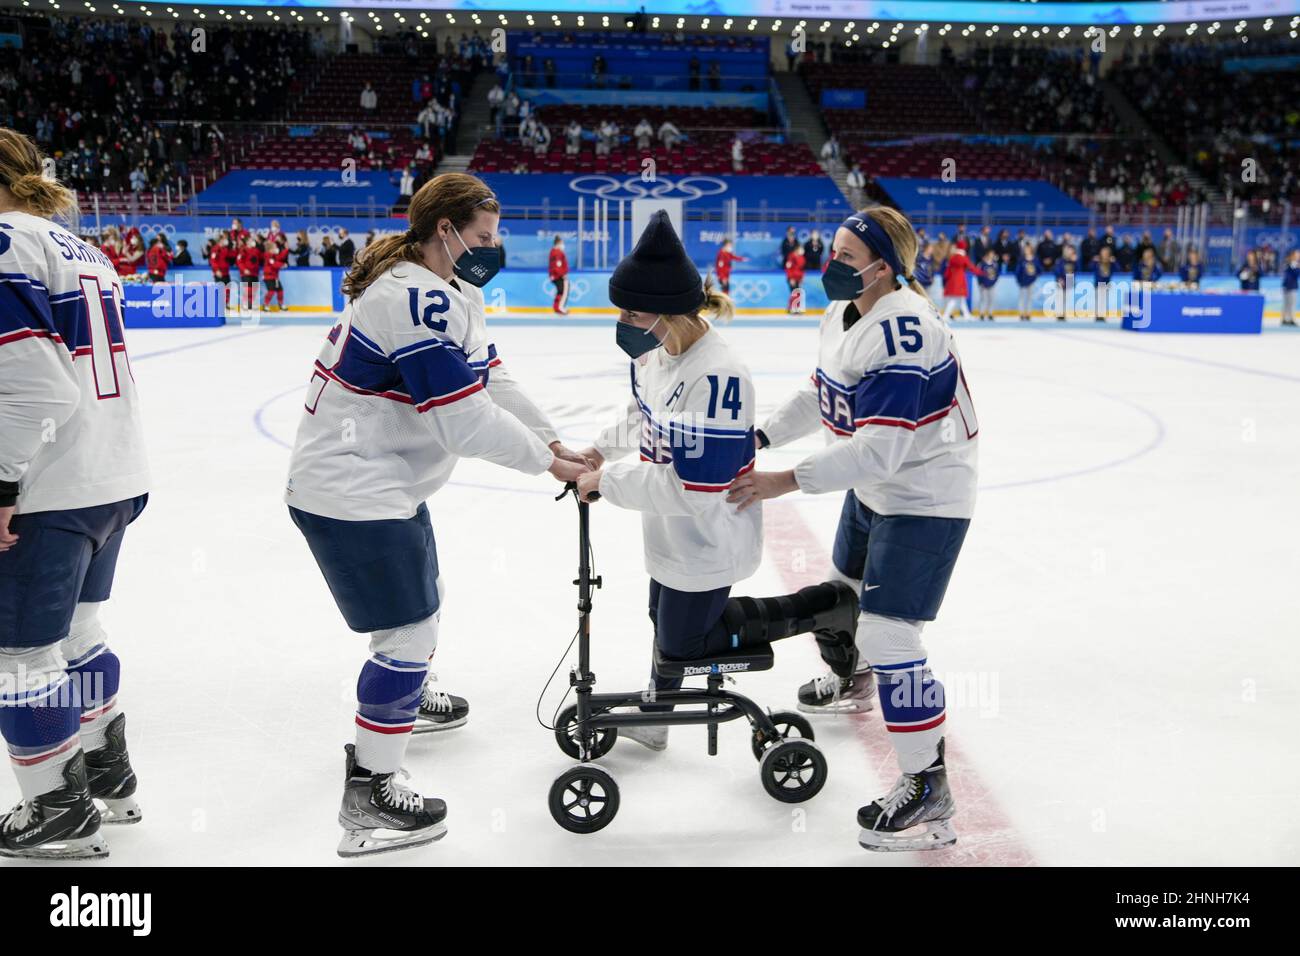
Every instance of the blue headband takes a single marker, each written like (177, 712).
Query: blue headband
(875, 238)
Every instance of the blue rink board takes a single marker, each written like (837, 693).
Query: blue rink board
(174, 305)
(1240, 313)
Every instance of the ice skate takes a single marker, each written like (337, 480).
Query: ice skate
(62, 824)
(110, 778)
(378, 814)
(439, 710)
(915, 815)
(832, 694)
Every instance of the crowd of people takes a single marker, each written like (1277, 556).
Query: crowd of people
(128, 105)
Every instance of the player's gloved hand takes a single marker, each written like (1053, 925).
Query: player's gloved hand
(755, 486)
(568, 454)
(567, 471)
(587, 484)
(7, 540)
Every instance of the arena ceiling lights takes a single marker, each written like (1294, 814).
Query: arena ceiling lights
(734, 16)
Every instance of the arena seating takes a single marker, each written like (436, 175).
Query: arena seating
(901, 97)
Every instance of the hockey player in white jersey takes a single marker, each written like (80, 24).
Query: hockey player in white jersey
(890, 390)
(405, 386)
(691, 417)
(73, 475)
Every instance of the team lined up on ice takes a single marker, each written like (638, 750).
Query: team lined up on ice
(412, 366)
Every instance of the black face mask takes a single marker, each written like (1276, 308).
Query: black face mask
(475, 266)
(636, 342)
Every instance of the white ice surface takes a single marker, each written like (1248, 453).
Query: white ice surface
(1124, 620)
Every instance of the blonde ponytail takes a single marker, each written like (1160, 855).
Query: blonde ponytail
(22, 168)
(903, 235)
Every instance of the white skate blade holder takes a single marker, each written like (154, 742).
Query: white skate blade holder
(936, 835)
(93, 847)
(119, 812)
(370, 842)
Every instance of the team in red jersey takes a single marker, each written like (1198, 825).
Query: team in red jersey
(157, 260)
(722, 265)
(794, 270)
(249, 263)
(557, 269)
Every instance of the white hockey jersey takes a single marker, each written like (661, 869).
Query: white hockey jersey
(691, 416)
(70, 432)
(407, 384)
(891, 391)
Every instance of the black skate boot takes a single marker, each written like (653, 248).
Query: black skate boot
(833, 694)
(918, 800)
(60, 825)
(110, 777)
(829, 610)
(438, 710)
(378, 814)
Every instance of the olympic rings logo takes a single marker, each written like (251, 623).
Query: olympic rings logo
(750, 290)
(578, 288)
(632, 187)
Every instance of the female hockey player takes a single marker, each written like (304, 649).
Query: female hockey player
(691, 416)
(889, 387)
(406, 384)
(64, 508)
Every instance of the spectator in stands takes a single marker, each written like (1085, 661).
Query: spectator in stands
(428, 119)
(1048, 251)
(1103, 269)
(644, 132)
(813, 251)
(158, 258)
(989, 270)
(358, 143)
(722, 264)
(1248, 274)
(496, 98)
(1290, 282)
(1143, 244)
(955, 286)
(737, 154)
(512, 108)
(831, 153)
(139, 179)
(1190, 273)
(369, 100)
(557, 270)
(606, 137)
(1067, 268)
(183, 258)
(573, 137)
(302, 250)
(789, 243)
(406, 185)
(794, 271)
(669, 135)
(541, 137)
(1027, 272)
(347, 249)
(856, 182)
(329, 253)
(1169, 253)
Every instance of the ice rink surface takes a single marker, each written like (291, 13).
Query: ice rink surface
(1119, 642)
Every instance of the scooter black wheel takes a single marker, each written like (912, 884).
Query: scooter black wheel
(789, 725)
(566, 735)
(793, 770)
(584, 799)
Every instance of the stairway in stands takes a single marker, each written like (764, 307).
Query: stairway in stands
(474, 121)
(1135, 126)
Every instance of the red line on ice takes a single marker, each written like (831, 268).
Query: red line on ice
(985, 835)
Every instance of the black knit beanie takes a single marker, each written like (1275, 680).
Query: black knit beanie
(657, 277)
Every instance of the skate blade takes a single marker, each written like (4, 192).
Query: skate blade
(433, 727)
(356, 843)
(121, 812)
(939, 834)
(841, 708)
(93, 847)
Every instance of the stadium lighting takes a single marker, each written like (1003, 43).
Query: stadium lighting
(704, 24)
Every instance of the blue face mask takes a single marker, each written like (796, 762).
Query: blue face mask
(636, 342)
(476, 266)
(842, 284)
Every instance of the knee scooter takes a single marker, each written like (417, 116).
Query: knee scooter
(585, 798)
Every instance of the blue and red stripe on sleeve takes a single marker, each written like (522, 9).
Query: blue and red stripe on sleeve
(906, 396)
(436, 373)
